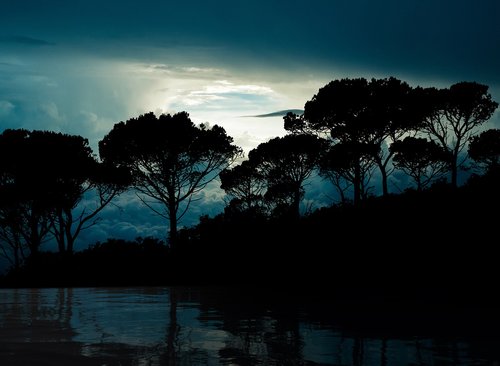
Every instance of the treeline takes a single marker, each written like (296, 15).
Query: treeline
(350, 129)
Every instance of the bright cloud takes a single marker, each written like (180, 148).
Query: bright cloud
(5, 108)
(227, 87)
(51, 110)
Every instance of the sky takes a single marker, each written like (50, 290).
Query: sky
(81, 66)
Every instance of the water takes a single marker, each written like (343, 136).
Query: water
(182, 326)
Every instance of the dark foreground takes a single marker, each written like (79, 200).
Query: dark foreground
(235, 326)
(442, 239)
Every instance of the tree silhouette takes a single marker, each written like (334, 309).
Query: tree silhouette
(393, 111)
(358, 112)
(12, 247)
(456, 113)
(337, 110)
(71, 217)
(169, 158)
(45, 176)
(29, 187)
(245, 184)
(484, 149)
(421, 159)
(286, 162)
(349, 162)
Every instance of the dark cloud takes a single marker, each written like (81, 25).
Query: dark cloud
(27, 41)
(453, 39)
(280, 113)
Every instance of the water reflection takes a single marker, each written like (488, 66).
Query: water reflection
(182, 326)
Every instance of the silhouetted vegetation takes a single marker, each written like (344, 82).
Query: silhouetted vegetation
(43, 179)
(455, 114)
(421, 159)
(169, 158)
(349, 128)
(484, 149)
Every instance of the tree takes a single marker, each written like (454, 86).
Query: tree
(245, 184)
(336, 112)
(393, 111)
(45, 176)
(357, 112)
(287, 162)
(99, 184)
(170, 159)
(484, 149)
(456, 114)
(12, 247)
(72, 172)
(25, 180)
(345, 163)
(421, 159)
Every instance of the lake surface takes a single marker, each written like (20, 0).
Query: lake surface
(184, 326)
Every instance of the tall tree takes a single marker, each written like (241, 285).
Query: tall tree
(484, 149)
(393, 111)
(357, 112)
(170, 159)
(337, 111)
(421, 159)
(456, 114)
(286, 162)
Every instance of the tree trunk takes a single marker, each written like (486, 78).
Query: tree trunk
(34, 242)
(342, 195)
(385, 190)
(17, 262)
(454, 171)
(296, 203)
(419, 184)
(70, 239)
(60, 236)
(357, 183)
(70, 246)
(383, 172)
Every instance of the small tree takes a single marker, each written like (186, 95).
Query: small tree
(25, 178)
(244, 184)
(421, 159)
(345, 163)
(46, 175)
(170, 159)
(484, 149)
(12, 247)
(287, 162)
(100, 185)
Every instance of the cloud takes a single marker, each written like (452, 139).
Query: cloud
(5, 108)
(27, 41)
(51, 110)
(180, 71)
(223, 94)
(280, 113)
(227, 87)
